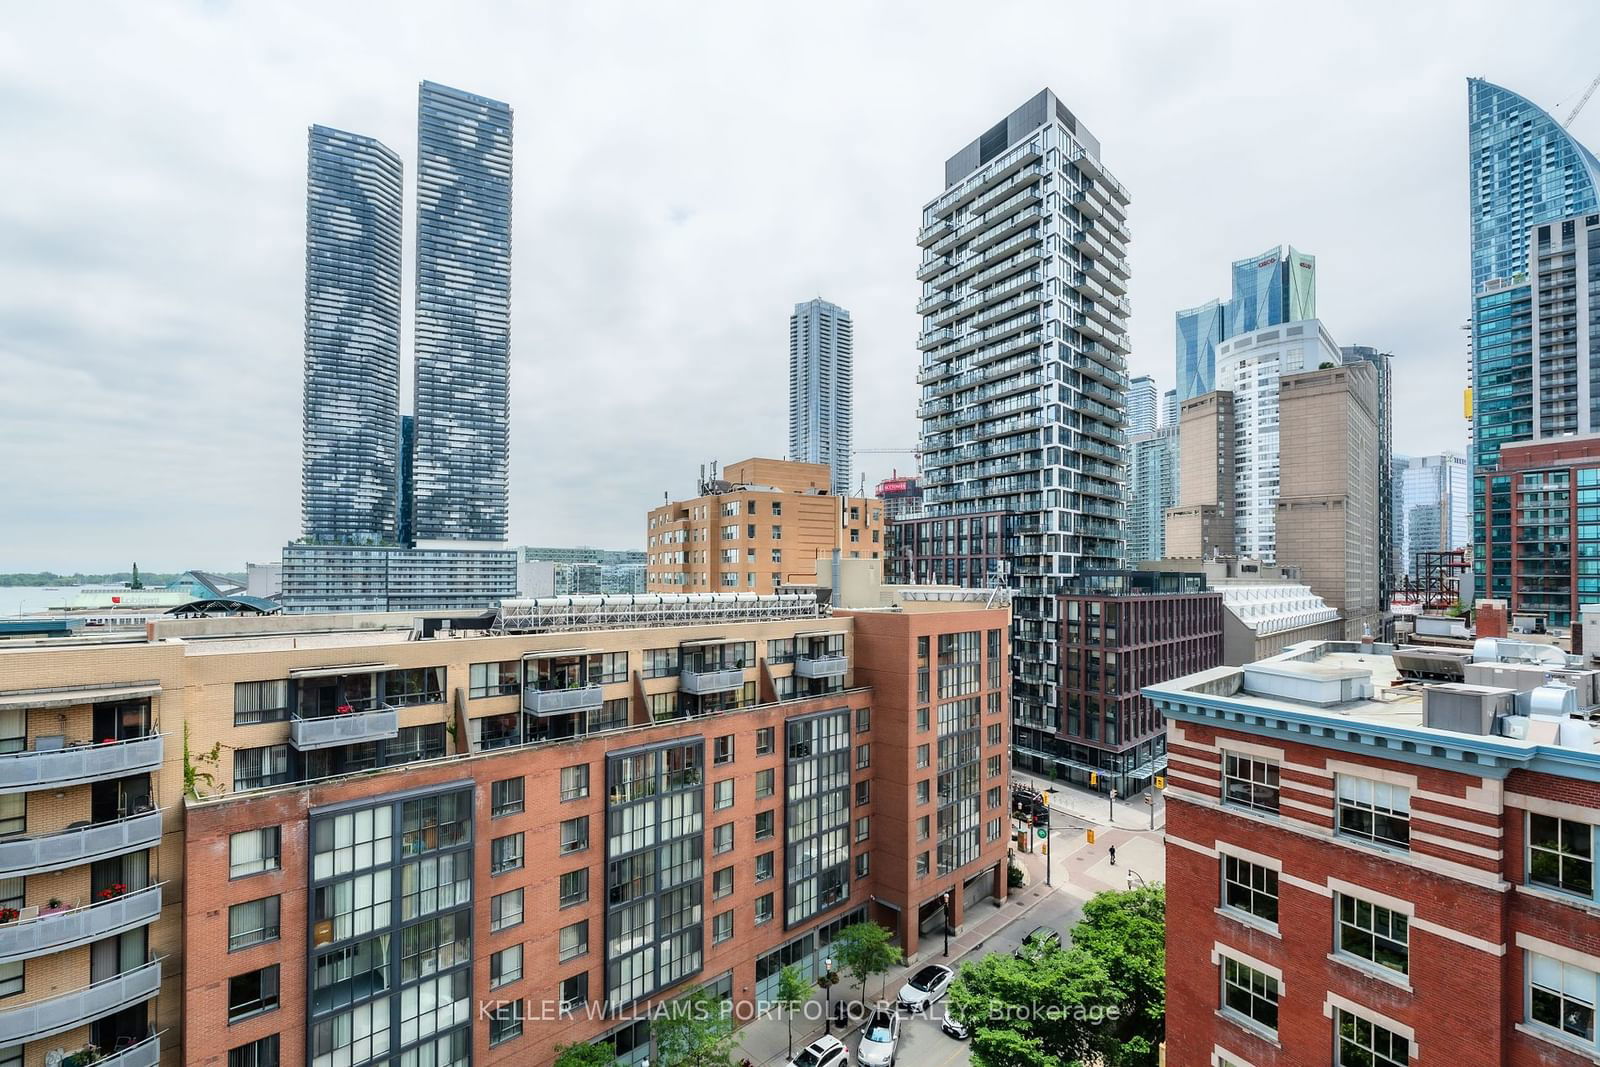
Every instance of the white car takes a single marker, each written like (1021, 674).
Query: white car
(880, 1040)
(925, 987)
(823, 1052)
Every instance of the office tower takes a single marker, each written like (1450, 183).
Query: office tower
(367, 796)
(1524, 171)
(463, 316)
(1168, 624)
(352, 339)
(1152, 492)
(1142, 405)
(1169, 408)
(1327, 523)
(1250, 366)
(901, 495)
(756, 526)
(1279, 285)
(543, 571)
(1023, 373)
(1332, 908)
(1433, 507)
(1201, 524)
(821, 387)
(1544, 561)
(406, 501)
(1383, 363)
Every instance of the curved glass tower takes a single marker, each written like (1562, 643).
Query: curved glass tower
(1199, 331)
(463, 319)
(352, 341)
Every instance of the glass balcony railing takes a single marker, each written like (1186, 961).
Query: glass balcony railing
(76, 764)
(66, 1011)
(78, 845)
(352, 727)
(562, 701)
(40, 935)
(716, 681)
(821, 666)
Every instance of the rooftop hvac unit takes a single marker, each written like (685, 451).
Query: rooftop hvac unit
(1465, 709)
(1416, 665)
(1559, 701)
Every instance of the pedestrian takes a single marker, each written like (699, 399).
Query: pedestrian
(1113, 855)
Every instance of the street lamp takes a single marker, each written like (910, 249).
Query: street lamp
(826, 982)
(947, 922)
(1111, 806)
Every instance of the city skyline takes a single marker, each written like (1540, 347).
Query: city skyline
(116, 336)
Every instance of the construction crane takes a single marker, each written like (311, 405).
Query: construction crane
(1584, 99)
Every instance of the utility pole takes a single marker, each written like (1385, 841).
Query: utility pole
(1111, 806)
(1150, 799)
(947, 903)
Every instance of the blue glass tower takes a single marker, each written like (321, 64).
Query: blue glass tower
(463, 319)
(352, 339)
(1274, 287)
(1199, 331)
(1523, 170)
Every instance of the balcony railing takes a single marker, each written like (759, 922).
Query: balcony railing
(722, 681)
(146, 1053)
(78, 845)
(21, 772)
(42, 1018)
(821, 666)
(562, 701)
(350, 728)
(27, 938)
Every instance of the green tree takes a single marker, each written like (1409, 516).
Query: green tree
(1102, 1000)
(793, 991)
(603, 1054)
(864, 950)
(693, 1031)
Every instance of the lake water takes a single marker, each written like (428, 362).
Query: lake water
(26, 599)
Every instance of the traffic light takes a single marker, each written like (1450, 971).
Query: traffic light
(1094, 779)
(1045, 799)
(1091, 837)
(1147, 799)
(1161, 781)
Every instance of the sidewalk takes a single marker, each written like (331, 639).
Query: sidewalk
(765, 1041)
(1086, 805)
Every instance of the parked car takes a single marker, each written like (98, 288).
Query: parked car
(823, 1052)
(925, 987)
(955, 1027)
(880, 1040)
(1040, 939)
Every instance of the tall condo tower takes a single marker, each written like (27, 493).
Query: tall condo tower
(352, 339)
(821, 385)
(1277, 286)
(1024, 369)
(463, 316)
(1142, 394)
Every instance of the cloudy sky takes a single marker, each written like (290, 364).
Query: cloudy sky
(685, 172)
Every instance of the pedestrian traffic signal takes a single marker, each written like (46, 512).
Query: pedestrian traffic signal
(1094, 779)
(1045, 799)
(1147, 798)
(1091, 837)
(1161, 782)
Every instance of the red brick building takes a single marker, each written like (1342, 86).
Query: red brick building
(1363, 868)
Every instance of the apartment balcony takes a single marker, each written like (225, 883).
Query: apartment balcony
(930, 267)
(933, 231)
(563, 701)
(380, 723)
(929, 303)
(42, 1018)
(146, 1053)
(24, 939)
(821, 666)
(78, 845)
(934, 338)
(56, 768)
(700, 683)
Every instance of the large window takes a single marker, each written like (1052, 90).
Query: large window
(1249, 782)
(505, 966)
(253, 851)
(262, 1052)
(252, 923)
(574, 887)
(575, 782)
(1374, 811)
(505, 910)
(505, 854)
(252, 993)
(574, 940)
(1374, 933)
(1249, 994)
(505, 797)
(574, 834)
(1561, 996)
(256, 768)
(256, 702)
(1561, 854)
(1363, 1043)
(1250, 888)
(494, 679)
(817, 814)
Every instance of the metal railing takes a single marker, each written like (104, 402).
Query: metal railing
(351, 728)
(78, 844)
(77, 764)
(715, 681)
(42, 1018)
(23, 939)
(561, 701)
(821, 666)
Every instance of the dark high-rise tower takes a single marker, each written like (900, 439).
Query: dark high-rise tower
(463, 317)
(352, 338)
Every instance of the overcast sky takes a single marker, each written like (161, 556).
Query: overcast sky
(685, 172)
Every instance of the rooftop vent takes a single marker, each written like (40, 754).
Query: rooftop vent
(1432, 665)
(1308, 683)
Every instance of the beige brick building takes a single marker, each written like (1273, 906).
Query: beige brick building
(1202, 524)
(761, 524)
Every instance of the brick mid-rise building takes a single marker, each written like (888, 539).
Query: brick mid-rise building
(406, 842)
(1367, 866)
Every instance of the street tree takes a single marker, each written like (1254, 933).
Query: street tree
(583, 1054)
(864, 949)
(693, 1031)
(793, 991)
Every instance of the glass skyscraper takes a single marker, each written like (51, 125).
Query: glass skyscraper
(1523, 170)
(352, 339)
(821, 380)
(1275, 287)
(463, 316)
(1142, 394)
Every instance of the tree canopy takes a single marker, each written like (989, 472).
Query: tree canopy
(584, 1054)
(864, 949)
(693, 1031)
(1101, 999)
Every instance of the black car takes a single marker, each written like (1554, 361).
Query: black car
(1027, 803)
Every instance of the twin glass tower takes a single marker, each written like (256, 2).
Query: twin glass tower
(351, 485)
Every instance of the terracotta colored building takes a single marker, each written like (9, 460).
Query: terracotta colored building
(756, 526)
(1366, 866)
(419, 843)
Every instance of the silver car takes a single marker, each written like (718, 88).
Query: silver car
(880, 1040)
(925, 987)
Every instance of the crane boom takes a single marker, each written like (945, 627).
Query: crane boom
(1584, 99)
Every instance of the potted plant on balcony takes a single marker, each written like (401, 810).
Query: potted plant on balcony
(52, 906)
(8, 915)
(113, 891)
(85, 1056)
(344, 709)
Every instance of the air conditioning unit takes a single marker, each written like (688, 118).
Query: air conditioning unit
(1465, 709)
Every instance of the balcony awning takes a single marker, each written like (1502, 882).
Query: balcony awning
(342, 668)
(552, 653)
(64, 698)
(699, 641)
(822, 633)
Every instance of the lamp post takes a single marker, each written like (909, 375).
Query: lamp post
(826, 982)
(947, 901)
(1111, 805)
